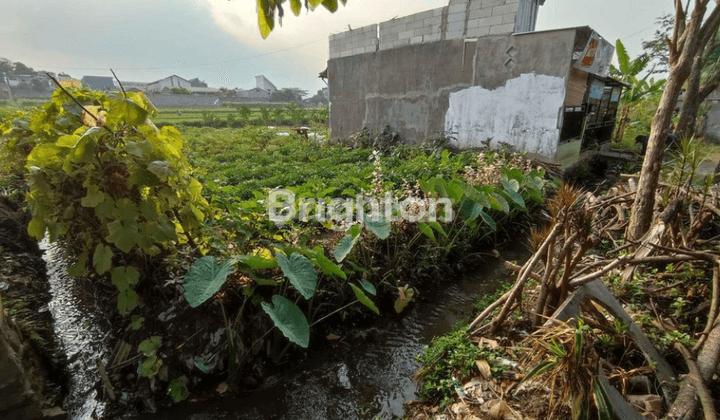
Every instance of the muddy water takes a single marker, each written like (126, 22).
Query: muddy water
(368, 376)
(82, 333)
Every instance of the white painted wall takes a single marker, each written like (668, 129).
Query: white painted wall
(524, 112)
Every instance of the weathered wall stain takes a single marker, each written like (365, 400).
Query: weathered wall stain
(524, 112)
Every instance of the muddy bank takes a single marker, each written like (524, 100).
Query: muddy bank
(30, 372)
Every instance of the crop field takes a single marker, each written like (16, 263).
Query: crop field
(253, 159)
(243, 114)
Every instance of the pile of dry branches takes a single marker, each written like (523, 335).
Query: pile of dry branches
(685, 220)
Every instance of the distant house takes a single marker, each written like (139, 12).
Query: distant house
(263, 83)
(15, 80)
(98, 83)
(254, 94)
(261, 92)
(168, 82)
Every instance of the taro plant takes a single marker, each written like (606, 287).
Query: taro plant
(298, 265)
(104, 180)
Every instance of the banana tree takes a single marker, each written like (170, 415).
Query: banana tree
(639, 88)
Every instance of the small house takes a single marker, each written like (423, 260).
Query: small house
(168, 82)
(477, 72)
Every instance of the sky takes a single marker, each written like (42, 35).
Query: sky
(218, 40)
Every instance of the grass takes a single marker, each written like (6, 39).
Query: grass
(9, 106)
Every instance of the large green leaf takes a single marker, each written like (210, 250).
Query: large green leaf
(511, 188)
(362, 297)
(300, 271)
(623, 57)
(289, 319)
(427, 231)
(257, 262)
(266, 17)
(379, 227)
(126, 111)
(347, 243)
(204, 278)
(317, 256)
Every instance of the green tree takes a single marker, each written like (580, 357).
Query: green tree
(292, 95)
(267, 9)
(20, 68)
(179, 90)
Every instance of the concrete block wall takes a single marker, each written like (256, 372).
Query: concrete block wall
(414, 29)
(489, 17)
(357, 41)
(459, 19)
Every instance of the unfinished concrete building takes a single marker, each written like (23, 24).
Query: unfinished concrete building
(476, 71)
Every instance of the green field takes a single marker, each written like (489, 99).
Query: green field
(243, 114)
(255, 158)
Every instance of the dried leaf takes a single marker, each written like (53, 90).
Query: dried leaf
(333, 337)
(484, 368)
(222, 388)
(489, 343)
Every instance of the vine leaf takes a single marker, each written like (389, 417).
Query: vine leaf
(102, 258)
(204, 278)
(122, 234)
(151, 366)
(289, 319)
(362, 297)
(161, 169)
(93, 198)
(300, 271)
(150, 346)
(36, 228)
(127, 301)
(178, 389)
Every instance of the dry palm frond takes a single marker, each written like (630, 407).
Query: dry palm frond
(564, 354)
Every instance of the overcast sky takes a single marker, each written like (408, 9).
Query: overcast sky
(218, 40)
